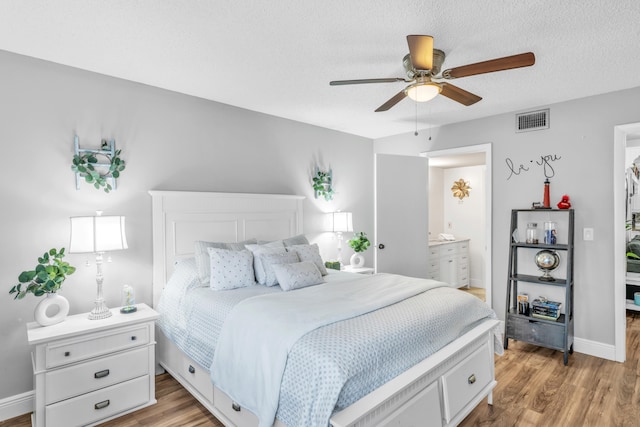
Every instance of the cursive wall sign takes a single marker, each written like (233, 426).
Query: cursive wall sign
(545, 162)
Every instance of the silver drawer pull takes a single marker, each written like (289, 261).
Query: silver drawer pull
(235, 407)
(192, 370)
(102, 405)
(67, 353)
(101, 374)
(471, 379)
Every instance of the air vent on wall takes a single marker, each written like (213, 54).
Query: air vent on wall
(532, 120)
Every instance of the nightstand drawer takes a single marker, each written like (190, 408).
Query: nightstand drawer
(61, 353)
(99, 404)
(74, 380)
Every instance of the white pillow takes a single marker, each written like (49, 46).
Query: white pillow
(270, 259)
(297, 275)
(300, 239)
(309, 253)
(230, 269)
(258, 250)
(202, 256)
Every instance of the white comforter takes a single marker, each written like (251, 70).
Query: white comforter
(260, 332)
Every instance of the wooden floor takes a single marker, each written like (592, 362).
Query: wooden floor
(534, 389)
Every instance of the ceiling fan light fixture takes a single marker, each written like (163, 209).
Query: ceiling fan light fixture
(423, 92)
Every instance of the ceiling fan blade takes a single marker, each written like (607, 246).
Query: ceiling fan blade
(459, 95)
(393, 101)
(499, 64)
(362, 81)
(421, 51)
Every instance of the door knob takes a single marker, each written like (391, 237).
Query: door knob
(381, 246)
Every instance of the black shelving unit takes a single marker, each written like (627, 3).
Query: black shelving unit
(555, 334)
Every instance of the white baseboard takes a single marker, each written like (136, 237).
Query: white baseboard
(594, 348)
(14, 406)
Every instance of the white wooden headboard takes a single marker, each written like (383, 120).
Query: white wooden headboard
(182, 217)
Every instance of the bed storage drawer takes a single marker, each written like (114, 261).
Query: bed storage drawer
(466, 380)
(424, 408)
(179, 364)
(98, 405)
(239, 416)
(197, 376)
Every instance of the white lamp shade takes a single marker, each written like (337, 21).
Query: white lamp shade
(97, 234)
(342, 222)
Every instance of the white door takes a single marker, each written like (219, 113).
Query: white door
(402, 223)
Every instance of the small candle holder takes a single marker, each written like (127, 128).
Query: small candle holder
(128, 300)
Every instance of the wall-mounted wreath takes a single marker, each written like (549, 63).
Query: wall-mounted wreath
(85, 164)
(322, 184)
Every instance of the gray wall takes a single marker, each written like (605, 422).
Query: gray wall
(581, 136)
(170, 142)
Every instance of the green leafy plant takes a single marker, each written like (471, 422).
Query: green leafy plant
(322, 185)
(87, 166)
(631, 255)
(47, 277)
(360, 242)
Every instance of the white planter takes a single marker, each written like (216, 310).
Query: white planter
(52, 303)
(356, 260)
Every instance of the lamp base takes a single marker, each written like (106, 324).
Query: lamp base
(100, 311)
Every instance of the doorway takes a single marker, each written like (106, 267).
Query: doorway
(475, 157)
(623, 134)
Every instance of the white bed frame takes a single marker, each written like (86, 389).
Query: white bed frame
(439, 391)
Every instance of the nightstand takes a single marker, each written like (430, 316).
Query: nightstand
(359, 270)
(89, 371)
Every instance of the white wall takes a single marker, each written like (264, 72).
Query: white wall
(170, 142)
(466, 218)
(581, 136)
(436, 205)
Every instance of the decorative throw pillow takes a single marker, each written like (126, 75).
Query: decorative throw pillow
(300, 239)
(310, 253)
(230, 269)
(258, 250)
(270, 259)
(202, 256)
(297, 275)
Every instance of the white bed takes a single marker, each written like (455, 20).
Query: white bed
(440, 390)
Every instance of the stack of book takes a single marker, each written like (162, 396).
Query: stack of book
(544, 309)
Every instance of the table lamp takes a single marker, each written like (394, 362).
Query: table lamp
(97, 234)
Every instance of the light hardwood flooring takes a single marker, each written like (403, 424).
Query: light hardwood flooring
(534, 389)
(478, 292)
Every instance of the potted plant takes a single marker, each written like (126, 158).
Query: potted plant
(46, 279)
(359, 243)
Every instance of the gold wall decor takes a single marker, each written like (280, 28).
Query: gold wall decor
(460, 189)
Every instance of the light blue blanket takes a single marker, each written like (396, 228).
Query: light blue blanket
(259, 333)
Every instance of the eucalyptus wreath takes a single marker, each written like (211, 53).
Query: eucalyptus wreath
(86, 165)
(322, 185)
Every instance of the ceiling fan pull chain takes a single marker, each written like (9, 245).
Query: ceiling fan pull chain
(416, 132)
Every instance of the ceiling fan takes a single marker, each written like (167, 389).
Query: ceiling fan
(422, 65)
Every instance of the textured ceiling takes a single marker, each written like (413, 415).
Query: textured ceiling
(277, 57)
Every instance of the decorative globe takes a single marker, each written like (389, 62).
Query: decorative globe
(547, 260)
